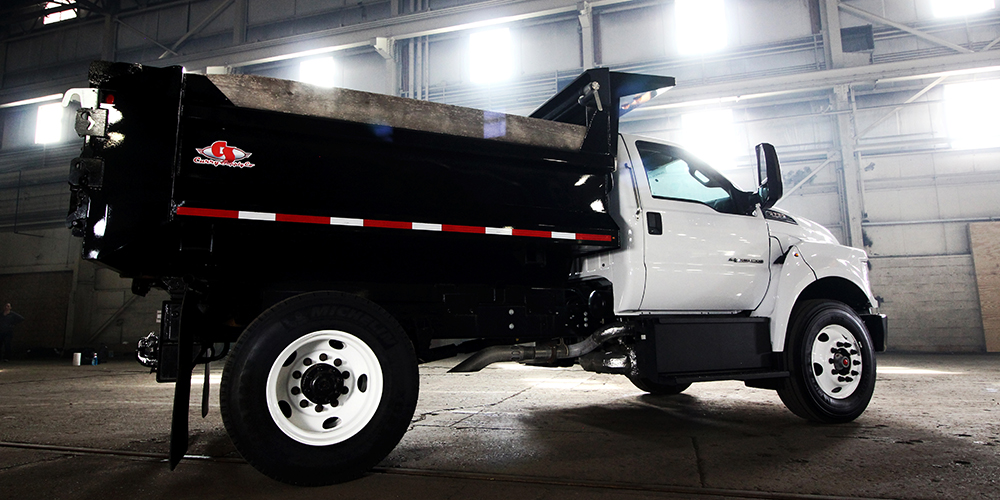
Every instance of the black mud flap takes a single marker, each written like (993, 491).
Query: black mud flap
(878, 329)
(186, 359)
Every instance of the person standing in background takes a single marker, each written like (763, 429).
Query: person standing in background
(7, 322)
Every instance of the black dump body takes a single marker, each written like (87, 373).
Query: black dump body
(184, 182)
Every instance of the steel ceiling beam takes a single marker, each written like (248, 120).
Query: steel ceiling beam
(817, 80)
(197, 29)
(888, 115)
(425, 23)
(868, 16)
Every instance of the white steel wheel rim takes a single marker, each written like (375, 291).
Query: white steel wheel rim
(293, 407)
(835, 361)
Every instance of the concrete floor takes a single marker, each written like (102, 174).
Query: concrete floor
(932, 431)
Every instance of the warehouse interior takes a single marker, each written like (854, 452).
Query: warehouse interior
(883, 114)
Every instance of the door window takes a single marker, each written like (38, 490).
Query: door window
(674, 174)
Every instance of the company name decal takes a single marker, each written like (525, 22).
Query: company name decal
(220, 154)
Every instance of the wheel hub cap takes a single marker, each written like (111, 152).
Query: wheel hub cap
(836, 361)
(324, 387)
(323, 384)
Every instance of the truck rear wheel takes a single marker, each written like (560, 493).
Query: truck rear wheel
(831, 362)
(319, 388)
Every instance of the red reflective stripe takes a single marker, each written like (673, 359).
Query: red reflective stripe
(532, 233)
(594, 237)
(451, 228)
(463, 229)
(308, 219)
(391, 224)
(208, 212)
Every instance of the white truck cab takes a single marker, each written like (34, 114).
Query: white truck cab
(714, 268)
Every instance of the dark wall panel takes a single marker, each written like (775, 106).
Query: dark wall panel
(43, 299)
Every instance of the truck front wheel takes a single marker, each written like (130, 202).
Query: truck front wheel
(319, 388)
(831, 363)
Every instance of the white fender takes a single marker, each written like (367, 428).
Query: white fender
(805, 263)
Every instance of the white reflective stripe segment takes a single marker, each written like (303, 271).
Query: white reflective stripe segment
(256, 216)
(563, 236)
(340, 221)
(421, 226)
(502, 231)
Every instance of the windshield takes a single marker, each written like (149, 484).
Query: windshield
(676, 174)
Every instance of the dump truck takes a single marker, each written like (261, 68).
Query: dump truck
(325, 242)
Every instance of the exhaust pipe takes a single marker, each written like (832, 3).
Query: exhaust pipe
(495, 354)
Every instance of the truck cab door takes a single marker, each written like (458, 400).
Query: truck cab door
(705, 248)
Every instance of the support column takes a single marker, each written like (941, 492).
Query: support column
(3, 61)
(586, 17)
(853, 209)
(830, 18)
(386, 47)
(240, 22)
(109, 41)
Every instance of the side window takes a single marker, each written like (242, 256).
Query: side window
(673, 175)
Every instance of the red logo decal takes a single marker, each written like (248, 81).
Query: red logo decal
(222, 154)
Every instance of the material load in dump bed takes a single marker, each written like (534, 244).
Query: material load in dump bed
(214, 175)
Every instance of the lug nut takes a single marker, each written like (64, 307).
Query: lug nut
(840, 379)
(854, 373)
(334, 403)
(304, 403)
(344, 390)
(296, 391)
(307, 361)
(337, 362)
(344, 374)
(323, 357)
(296, 374)
(853, 351)
(319, 408)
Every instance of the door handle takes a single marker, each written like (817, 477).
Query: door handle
(654, 222)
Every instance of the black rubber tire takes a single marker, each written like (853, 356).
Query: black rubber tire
(644, 384)
(244, 403)
(801, 392)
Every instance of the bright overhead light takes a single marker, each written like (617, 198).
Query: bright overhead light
(318, 72)
(490, 54)
(701, 26)
(48, 127)
(59, 16)
(33, 100)
(970, 112)
(711, 136)
(954, 8)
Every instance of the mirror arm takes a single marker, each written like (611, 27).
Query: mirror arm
(752, 201)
